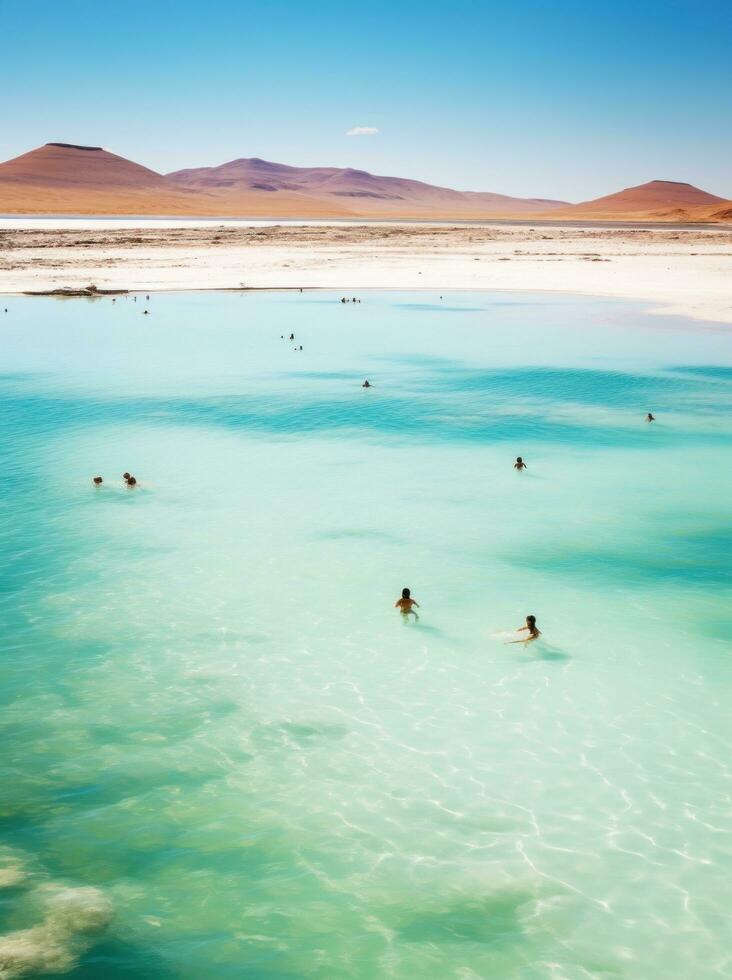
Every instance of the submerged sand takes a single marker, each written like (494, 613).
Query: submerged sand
(684, 271)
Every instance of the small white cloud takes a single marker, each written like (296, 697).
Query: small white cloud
(362, 131)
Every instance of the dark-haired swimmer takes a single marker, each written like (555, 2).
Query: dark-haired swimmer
(531, 628)
(404, 605)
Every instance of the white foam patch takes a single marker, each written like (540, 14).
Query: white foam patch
(12, 872)
(74, 916)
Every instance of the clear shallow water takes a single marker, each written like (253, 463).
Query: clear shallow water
(212, 714)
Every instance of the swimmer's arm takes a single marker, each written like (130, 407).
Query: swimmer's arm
(415, 603)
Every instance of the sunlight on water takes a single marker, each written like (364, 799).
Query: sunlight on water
(223, 752)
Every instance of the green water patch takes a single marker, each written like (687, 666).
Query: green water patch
(692, 558)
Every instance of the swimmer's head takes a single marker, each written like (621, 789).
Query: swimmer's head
(125, 476)
(519, 460)
(406, 593)
(98, 480)
(531, 621)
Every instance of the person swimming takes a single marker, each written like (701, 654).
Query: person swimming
(531, 628)
(650, 417)
(519, 464)
(292, 336)
(367, 384)
(404, 605)
(97, 481)
(129, 479)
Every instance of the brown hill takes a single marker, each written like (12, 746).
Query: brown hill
(68, 165)
(63, 178)
(659, 200)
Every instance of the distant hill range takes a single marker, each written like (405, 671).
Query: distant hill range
(63, 178)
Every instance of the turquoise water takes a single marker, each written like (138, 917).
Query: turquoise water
(219, 739)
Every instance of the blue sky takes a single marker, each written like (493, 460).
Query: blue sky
(551, 98)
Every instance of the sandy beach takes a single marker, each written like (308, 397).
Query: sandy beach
(678, 271)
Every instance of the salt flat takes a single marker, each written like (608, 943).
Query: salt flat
(677, 270)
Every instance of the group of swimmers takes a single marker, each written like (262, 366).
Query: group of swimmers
(291, 337)
(130, 480)
(406, 606)
(345, 299)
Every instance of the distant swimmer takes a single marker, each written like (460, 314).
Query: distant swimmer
(292, 336)
(343, 299)
(650, 417)
(98, 481)
(404, 605)
(531, 628)
(519, 464)
(367, 384)
(131, 481)
(147, 298)
(146, 312)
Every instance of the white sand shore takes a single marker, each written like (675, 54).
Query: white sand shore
(685, 271)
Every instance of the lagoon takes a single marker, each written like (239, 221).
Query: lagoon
(212, 713)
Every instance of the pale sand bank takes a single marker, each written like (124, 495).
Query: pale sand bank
(679, 271)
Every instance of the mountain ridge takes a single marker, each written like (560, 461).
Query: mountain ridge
(70, 178)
